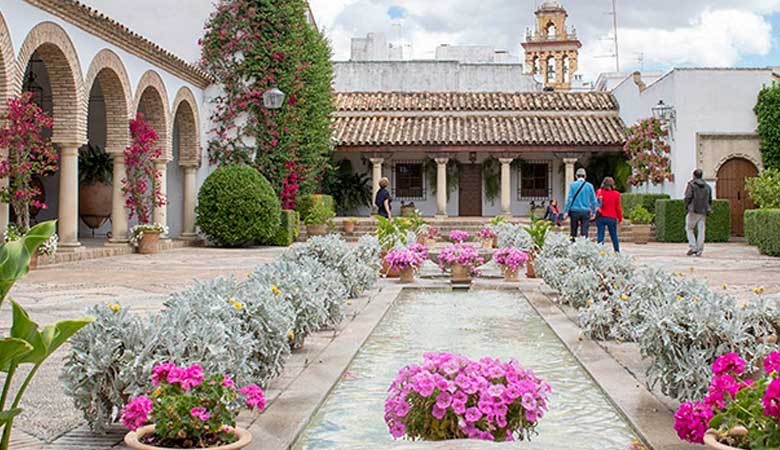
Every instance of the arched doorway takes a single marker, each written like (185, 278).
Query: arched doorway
(731, 186)
(182, 171)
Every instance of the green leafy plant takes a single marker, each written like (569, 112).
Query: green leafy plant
(538, 231)
(491, 176)
(761, 230)
(319, 215)
(609, 165)
(767, 111)
(631, 200)
(393, 232)
(670, 221)
(26, 344)
(765, 188)
(454, 170)
(640, 216)
(350, 190)
(237, 207)
(95, 165)
(498, 220)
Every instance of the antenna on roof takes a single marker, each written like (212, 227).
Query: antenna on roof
(615, 34)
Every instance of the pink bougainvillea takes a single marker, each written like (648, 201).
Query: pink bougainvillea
(26, 154)
(141, 186)
(648, 153)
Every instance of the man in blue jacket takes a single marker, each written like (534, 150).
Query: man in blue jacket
(581, 205)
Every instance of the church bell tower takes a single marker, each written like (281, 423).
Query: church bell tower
(552, 49)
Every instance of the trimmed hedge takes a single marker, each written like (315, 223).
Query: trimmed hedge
(632, 200)
(670, 221)
(307, 202)
(237, 207)
(762, 229)
(288, 229)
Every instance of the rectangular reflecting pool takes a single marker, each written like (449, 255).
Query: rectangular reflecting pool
(474, 323)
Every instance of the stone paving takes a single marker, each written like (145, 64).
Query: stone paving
(143, 282)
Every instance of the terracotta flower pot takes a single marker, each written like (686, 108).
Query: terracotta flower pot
(530, 272)
(495, 241)
(711, 441)
(386, 270)
(349, 227)
(133, 440)
(422, 240)
(487, 243)
(407, 275)
(511, 276)
(149, 243)
(641, 233)
(316, 230)
(460, 273)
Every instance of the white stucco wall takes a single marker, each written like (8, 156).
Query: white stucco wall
(707, 101)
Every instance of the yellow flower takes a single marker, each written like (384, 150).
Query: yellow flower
(157, 392)
(679, 298)
(603, 253)
(624, 297)
(695, 299)
(616, 286)
(349, 302)
(275, 289)
(725, 286)
(758, 290)
(691, 268)
(238, 305)
(115, 307)
(291, 335)
(680, 274)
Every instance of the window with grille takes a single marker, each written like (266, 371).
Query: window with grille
(535, 180)
(409, 181)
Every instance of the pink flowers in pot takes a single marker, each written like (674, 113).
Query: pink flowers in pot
(410, 257)
(452, 397)
(735, 401)
(185, 405)
(433, 233)
(510, 258)
(486, 233)
(459, 236)
(464, 254)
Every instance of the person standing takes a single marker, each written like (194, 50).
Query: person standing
(580, 205)
(698, 205)
(383, 200)
(610, 213)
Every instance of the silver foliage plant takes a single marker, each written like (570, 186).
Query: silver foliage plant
(244, 328)
(681, 325)
(511, 235)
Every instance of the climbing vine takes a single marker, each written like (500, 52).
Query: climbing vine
(454, 170)
(648, 153)
(491, 176)
(767, 111)
(251, 47)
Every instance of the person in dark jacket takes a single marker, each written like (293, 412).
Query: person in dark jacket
(383, 200)
(698, 205)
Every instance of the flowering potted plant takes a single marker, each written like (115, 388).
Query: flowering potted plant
(349, 225)
(511, 260)
(142, 183)
(146, 237)
(538, 231)
(487, 236)
(462, 260)
(406, 260)
(458, 236)
(188, 410)
(317, 220)
(428, 234)
(452, 397)
(738, 412)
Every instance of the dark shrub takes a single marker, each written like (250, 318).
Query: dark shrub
(237, 207)
(288, 229)
(670, 221)
(307, 202)
(762, 228)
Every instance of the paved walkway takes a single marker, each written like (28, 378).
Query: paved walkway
(144, 282)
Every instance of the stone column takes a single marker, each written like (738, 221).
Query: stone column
(376, 175)
(119, 226)
(190, 194)
(160, 214)
(68, 220)
(506, 186)
(441, 186)
(570, 162)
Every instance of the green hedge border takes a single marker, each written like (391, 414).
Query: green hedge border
(288, 229)
(307, 202)
(762, 229)
(670, 221)
(631, 200)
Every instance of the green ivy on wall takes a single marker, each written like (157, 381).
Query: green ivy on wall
(491, 178)
(767, 111)
(454, 170)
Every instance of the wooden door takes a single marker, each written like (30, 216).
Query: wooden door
(731, 186)
(470, 191)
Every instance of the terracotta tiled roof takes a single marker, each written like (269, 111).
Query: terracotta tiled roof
(457, 130)
(475, 101)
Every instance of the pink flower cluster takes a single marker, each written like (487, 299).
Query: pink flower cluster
(136, 413)
(459, 236)
(510, 258)
(486, 233)
(433, 233)
(142, 186)
(463, 254)
(411, 257)
(186, 377)
(255, 398)
(452, 397)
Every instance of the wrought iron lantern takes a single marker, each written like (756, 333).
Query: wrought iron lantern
(664, 113)
(273, 98)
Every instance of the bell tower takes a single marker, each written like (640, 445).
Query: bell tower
(552, 49)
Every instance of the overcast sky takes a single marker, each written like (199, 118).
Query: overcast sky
(653, 35)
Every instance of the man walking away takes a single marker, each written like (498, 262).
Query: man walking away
(580, 205)
(698, 205)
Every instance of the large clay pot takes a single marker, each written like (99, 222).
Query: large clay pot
(95, 202)
(641, 233)
(530, 272)
(149, 243)
(349, 226)
(711, 441)
(487, 243)
(133, 440)
(316, 230)
(406, 275)
(386, 271)
(460, 273)
(511, 276)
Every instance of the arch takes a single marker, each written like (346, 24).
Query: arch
(566, 68)
(550, 69)
(751, 158)
(69, 109)
(108, 70)
(7, 64)
(536, 66)
(186, 121)
(730, 185)
(551, 32)
(152, 97)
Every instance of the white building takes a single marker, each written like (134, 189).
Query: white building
(714, 126)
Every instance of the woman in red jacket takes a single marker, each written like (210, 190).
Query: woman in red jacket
(610, 213)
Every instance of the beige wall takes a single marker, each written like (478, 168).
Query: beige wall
(713, 150)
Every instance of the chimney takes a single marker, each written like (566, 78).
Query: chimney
(638, 81)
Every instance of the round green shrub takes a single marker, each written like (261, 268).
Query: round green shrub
(237, 207)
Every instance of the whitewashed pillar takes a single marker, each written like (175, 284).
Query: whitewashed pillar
(570, 162)
(441, 186)
(506, 186)
(119, 225)
(68, 209)
(376, 175)
(160, 214)
(190, 194)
